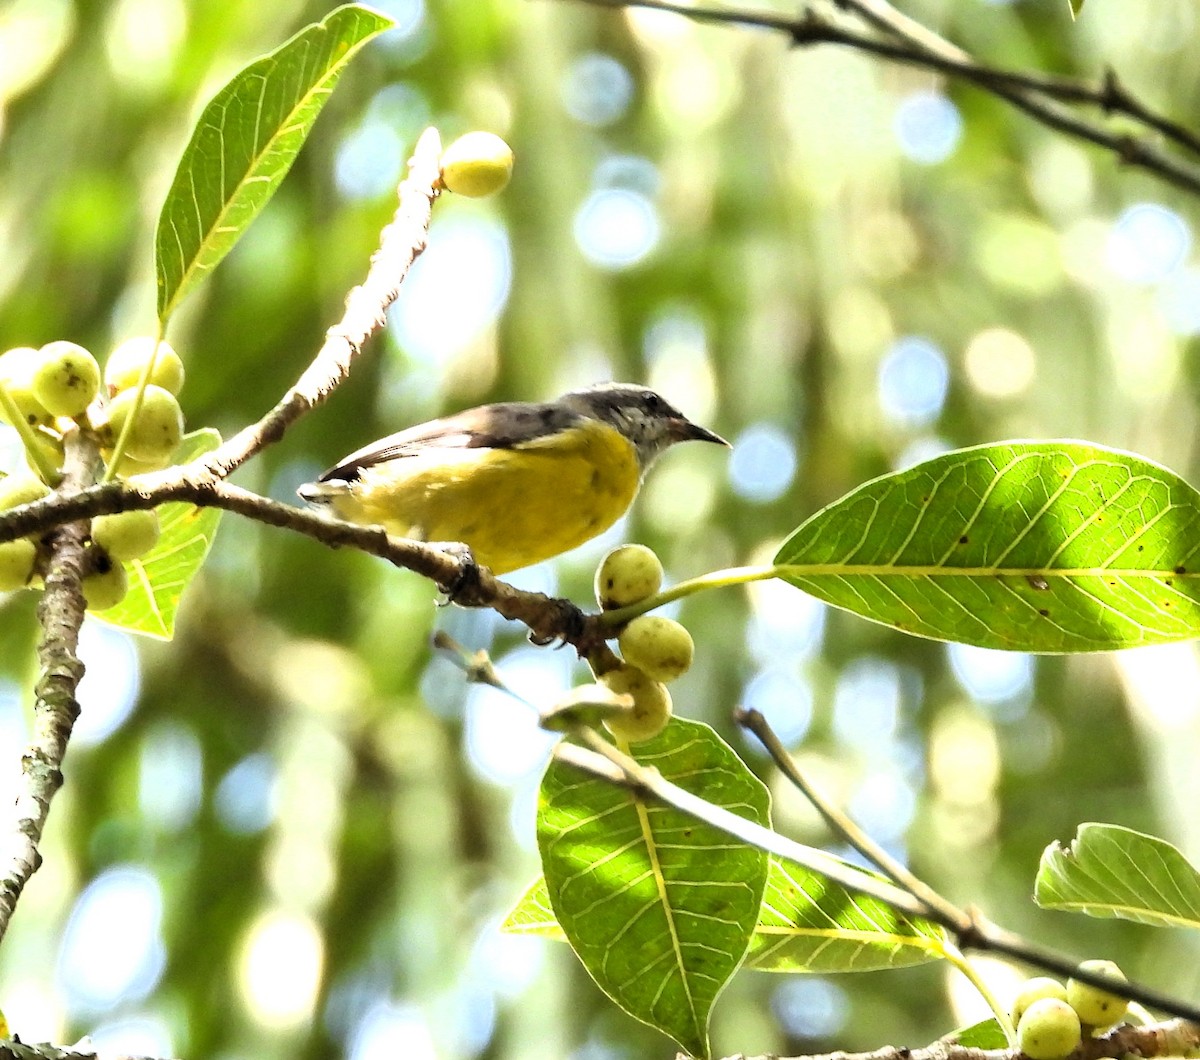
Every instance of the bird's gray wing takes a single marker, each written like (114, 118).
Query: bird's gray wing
(501, 426)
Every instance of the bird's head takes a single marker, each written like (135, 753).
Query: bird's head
(645, 417)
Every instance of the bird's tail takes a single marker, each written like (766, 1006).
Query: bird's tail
(323, 494)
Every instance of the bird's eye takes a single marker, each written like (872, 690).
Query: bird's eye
(654, 403)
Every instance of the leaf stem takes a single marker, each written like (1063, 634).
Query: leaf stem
(46, 471)
(843, 825)
(118, 451)
(957, 958)
(720, 579)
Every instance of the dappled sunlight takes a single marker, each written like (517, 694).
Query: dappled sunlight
(112, 949)
(279, 969)
(964, 773)
(1000, 363)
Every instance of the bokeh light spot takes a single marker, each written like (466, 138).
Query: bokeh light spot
(1000, 363)
(784, 699)
(171, 777)
(616, 228)
(809, 1007)
(928, 127)
(280, 969)
(393, 1030)
(913, 380)
(132, 1036)
(597, 89)
(866, 705)
(111, 949)
(455, 290)
(503, 739)
(369, 160)
(884, 805)
(245, 797)
(763, 463)
(1179, 300)
(1148, 243)
(110, 682)
(990, 675)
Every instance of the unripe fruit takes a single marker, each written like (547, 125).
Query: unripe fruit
(1049, 1030)
(477, 164)
(67, 379)
(129, 466)
(627, 575)
(126, 535)
(1034, 990)
(106, 585)
(125, 364)
(1096, 1007)
(651, 704)
(21, 489)
(158, 429)
(17, 368)
(660, 647)
(16, 563)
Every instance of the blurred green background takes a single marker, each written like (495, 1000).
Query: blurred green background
(292, 831)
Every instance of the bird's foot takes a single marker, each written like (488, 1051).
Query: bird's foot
(463, 586)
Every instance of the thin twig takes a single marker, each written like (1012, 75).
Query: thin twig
(602, 759)
(1040, 96)
(60, 615)
(753, 721)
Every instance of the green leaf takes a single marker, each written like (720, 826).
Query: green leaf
(1076, 7)
(533, 914)
(658, 906)
(1109, 871)
(158, 579)
(810, 924)
(987, 1034)
(1029, 546)
(244, 144)
(806, 924)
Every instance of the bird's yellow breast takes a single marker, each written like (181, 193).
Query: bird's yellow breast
(513, 507)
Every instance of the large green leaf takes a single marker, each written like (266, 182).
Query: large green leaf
(658, 906)
(158, 579)
(806, 924)
(1109, 871)
(244, 144)
(1031, 546)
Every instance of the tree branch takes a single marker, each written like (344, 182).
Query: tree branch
(1171, 1038)
(548, 619)
(60, 615)
(901, 39)
(11, 1049)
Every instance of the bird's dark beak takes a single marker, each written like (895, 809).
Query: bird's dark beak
(686, 431)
